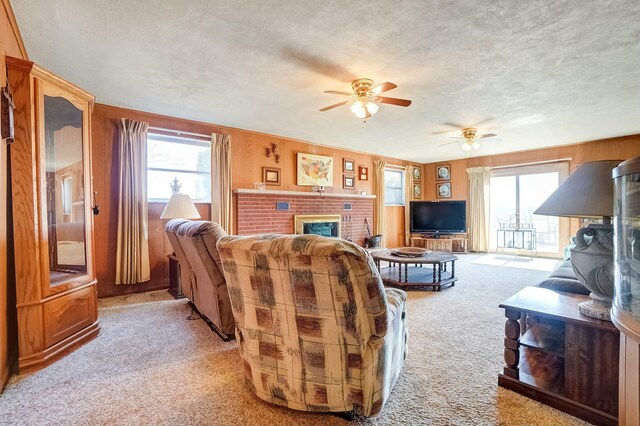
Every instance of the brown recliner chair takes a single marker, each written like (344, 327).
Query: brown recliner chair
(316, 329)
(208, 291)
(171, 229)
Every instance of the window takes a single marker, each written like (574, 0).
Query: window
(394, 187)
(515, 193)
(188, 160)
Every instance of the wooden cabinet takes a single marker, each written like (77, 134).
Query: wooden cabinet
(52, 219)
(452, 243)
(557, 356)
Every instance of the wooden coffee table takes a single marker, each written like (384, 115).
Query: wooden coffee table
(440, 275)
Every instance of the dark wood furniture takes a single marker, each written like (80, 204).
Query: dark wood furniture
(559, 357)
(440, 275)
(455, 243)
(175, 287)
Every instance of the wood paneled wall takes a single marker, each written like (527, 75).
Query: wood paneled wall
(620, 148)
(248, 157)
(10, 45)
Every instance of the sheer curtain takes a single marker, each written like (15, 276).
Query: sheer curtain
(408, 195)
(379, 207)
(221, 196)
(479, 179)
(132, 252)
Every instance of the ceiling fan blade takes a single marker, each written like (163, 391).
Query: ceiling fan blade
(486, 120)
(393, 101)
(488, 135)
(449, 143)
(457, 137)
(442, 132)
(456, 125)
(384, 87)
(334, 106)
(336, 92)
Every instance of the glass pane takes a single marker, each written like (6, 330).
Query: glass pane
(178, 156)
(534, 190)
(392, 179)
(197, 186)
(503, 209)
(65, 189)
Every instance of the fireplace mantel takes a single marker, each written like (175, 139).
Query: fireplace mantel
(301, 193)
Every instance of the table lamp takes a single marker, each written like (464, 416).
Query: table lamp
(588, 193)
(180, 206)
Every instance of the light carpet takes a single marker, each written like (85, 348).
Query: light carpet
(152, 366)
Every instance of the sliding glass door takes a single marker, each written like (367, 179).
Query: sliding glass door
(516, 192)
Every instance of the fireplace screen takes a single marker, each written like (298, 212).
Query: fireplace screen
(326, 229)
(325, 225)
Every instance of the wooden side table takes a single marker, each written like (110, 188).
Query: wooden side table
(175, 288)
(559, 357)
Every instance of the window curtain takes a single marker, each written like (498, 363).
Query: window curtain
(408, 195)
(379, 208)
(479, 178)
(132, 252)
(221, 209)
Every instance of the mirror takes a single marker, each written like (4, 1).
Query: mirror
(65, 208)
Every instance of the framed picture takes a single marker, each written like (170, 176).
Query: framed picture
(443, 190)
(314, 170)
(348, 182)
(443, 172)
(363, 172)
(417, 174)
(271, 176)
(348, 165)
(417, 190)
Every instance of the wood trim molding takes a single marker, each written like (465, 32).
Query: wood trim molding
(63, 85)
(36, 361)
(300, 193)
(8, 10)
(18, 64)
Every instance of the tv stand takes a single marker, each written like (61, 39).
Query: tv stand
(456, 243)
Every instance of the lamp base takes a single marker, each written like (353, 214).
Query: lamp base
(592, 261)
(598, 307)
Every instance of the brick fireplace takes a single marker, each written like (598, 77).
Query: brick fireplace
(268, 211)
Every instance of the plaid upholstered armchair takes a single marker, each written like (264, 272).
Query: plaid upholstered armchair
(316, 329)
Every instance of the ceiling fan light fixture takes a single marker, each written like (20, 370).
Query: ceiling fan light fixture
(475, 145)
(466, 146)
(372, 107)
(357, 107)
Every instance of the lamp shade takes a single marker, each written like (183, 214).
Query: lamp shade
(587, 192)
(180, 206)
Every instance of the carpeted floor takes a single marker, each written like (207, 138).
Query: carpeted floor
(151, 366)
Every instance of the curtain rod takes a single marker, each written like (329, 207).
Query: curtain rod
(394, 166)
(535, 163)
(179, 132)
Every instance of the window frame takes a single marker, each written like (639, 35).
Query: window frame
(402, 188)
(185, 140)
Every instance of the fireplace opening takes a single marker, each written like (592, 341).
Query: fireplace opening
(325, 225)
(326, 229)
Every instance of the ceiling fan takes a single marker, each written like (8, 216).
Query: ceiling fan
(365, 98)
(469, 137)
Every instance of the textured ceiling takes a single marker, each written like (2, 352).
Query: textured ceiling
(547, 72)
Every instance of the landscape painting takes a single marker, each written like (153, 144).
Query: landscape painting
(315, 170)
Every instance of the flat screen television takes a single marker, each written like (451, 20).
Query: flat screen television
(447, 217)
